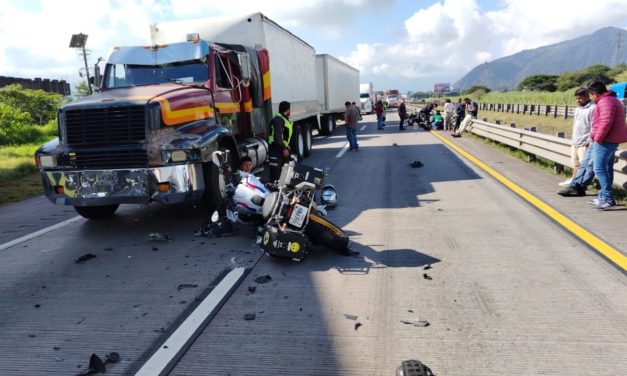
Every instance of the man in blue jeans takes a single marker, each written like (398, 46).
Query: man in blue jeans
(583, 176)
(608, 130)
(351, 116)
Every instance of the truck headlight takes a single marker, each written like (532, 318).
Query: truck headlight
(178, 156)
(47, 161)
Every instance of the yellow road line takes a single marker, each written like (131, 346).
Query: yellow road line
(599, 245)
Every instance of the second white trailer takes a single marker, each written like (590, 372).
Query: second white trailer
(338, 83)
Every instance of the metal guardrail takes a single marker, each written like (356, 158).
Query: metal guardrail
(555, 111)
(552, 148)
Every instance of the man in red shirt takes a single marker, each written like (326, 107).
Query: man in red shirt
(378, 109)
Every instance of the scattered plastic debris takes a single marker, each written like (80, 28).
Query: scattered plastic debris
(155, 249)
(159, 237)
(252, 288)
(350, 317)
(58, 359)
(108, 249)
(416, 164)
(31, 336)
(427, 276)
(84, 258)
(427, 267)
(96, 365)
(249, 316)
(413, 368)
(37, 305)
(357, 325)
(186, 286)
(81, 320)
(263, 279)
(416, 323)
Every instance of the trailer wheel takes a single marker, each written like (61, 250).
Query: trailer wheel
(298, 142)
(216, 179)
(308, 140)
(327, 126)
(96, 212)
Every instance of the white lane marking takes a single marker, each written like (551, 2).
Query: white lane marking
(363, 127)
(35, 234)
(342, 151)
(161, 362)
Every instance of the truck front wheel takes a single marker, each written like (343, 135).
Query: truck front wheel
(96, 212)
(216, 179)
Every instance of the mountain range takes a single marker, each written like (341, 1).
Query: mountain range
(605, 46)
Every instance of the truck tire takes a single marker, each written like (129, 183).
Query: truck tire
(298, 142)
(328, 125)
(96, 212)
(308, 140)
(215, 183)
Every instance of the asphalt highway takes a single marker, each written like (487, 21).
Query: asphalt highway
(454, 269)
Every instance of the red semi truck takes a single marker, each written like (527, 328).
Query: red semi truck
(168, 115)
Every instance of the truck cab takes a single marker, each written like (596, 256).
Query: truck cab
(169, 124)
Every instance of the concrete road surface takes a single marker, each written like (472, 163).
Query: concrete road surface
(505, 290)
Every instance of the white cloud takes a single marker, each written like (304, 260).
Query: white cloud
(447, 39)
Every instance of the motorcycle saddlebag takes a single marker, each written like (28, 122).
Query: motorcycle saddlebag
(294, 173)
(286, 244)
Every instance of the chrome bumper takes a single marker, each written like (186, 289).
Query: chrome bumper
(124, 186)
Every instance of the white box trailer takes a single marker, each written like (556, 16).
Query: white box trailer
(338, 82)
(292, 61)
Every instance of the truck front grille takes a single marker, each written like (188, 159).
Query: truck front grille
(110, 159)
(105, 126)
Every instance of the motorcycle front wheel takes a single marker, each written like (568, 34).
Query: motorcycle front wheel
(324, 233)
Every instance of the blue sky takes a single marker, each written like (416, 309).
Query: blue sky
(402, 44)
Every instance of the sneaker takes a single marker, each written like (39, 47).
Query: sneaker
(604, 205)
(565, 183)
(571, 191)
(594, 201)
(456, 135)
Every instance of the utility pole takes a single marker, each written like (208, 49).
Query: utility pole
(79, 41)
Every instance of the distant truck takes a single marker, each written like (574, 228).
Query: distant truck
(366, 98)
(393, 98)
(171, 115)
(338, 83)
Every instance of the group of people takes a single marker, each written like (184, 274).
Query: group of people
(599, 127)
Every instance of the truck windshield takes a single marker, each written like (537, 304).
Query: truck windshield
(364, 95)
(127, 75)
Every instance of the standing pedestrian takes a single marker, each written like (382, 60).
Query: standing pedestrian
(449, 111)
(608, 130)
(378, 109)
(460, 113)
(472, 109)
(352, 117)
(279, 140)
(402, 113)
(582, 125)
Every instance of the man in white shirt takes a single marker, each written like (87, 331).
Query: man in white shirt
(581, 131)
(449, 111)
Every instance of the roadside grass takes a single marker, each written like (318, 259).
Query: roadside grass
(19, 178)
(620, 194)
(544, 124)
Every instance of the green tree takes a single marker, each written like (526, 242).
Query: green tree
(15, 126)
(475, 88)
(582, 77)
(40, 105)
(539, 82)
(81, 89)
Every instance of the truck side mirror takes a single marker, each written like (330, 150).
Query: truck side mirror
(244, 63)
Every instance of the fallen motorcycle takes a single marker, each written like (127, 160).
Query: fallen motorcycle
(288, 220)
(293, 224)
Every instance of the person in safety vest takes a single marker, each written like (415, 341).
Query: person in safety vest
(279, 140)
